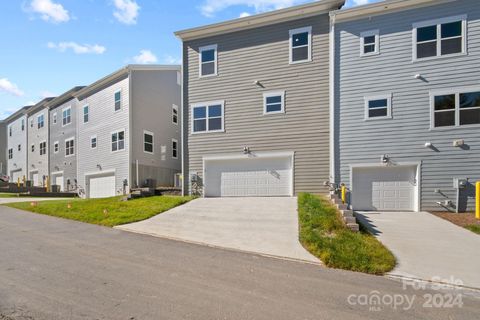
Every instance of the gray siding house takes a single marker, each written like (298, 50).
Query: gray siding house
(407, 104)
(63, 112)
(3, 147)
(17, 145)
(256, 103)
(128, 130)
(37, 143)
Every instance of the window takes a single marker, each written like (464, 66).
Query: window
(274, 102)
(10, 154)
(85, 114)
(55, 118)
(69, 147)
(147, 142)
(456, 109)
(175, 114)
(33, 148)
(23, 124)
(369, 43)
(43, 148)
(118, 100)
(56, 147)
(118, 141)
(93, 142)
(10, 131)
(208, 61)
(31, 123)
(208, 117)
(19, 147)
(40, 121)
(174, 149)
(378, 107)
(66, 116)
(440, 37)
(301, 45)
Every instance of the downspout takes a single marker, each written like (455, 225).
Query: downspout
(130, 129)
(332, 99)
(182, 135)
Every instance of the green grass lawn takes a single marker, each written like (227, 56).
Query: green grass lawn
(8, 195)
(474, 228)
(108, 212)
(323, 233)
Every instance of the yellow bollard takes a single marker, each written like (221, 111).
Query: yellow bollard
(477, 201)
(344, 194)
(18, 182)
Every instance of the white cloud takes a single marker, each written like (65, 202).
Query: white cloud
(126, 11)
(50, 11)
(172, 60)
(7, 112)
(145, 57)
(244, 14)
(77, 48)
(210, 7)
(11, 88)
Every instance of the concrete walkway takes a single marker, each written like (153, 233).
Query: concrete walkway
(266, 226)
(427, 247)
(27, 199)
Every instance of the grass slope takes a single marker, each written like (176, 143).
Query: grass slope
(108, 212)
(8, 195)
(474, 228)
(323, 233)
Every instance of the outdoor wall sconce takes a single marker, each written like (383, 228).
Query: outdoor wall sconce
(246, 150)
(99, 167)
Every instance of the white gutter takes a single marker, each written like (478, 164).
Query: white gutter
(332, 99)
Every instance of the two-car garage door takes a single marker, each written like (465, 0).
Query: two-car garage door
(384, 188)
(248, 177)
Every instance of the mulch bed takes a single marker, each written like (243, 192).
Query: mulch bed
(460, 219)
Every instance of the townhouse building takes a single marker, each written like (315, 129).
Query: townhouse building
(63, 112)
(17, 144)
(37, 143)
(3, 147)
(128, 130)
(406, 100)
(256, 103)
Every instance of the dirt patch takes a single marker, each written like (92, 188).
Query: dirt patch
(460, 219)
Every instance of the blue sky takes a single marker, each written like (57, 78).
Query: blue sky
(50, 46)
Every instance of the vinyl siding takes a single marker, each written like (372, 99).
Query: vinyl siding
(19, 137)
(59, 161)
(103, 121)
(3, 147)
(263, 54)
(392, 71)
(36, 162)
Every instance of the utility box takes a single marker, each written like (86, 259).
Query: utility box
(460, 183)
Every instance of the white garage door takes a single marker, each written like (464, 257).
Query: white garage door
(384, 188)
(35, 179)
(58, 180)
(248, 177)
(101, 186)
(16, 175)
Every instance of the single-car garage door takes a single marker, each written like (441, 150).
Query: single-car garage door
(15, 175)
(248, 177)
(58, 181)
(101, 186)
(384, 188)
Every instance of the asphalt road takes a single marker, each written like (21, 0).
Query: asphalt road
(58, 269)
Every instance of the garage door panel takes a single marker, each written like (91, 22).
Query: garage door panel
(102, 186)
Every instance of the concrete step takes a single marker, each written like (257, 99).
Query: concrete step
(349, 220)
(341, 206)
(353, 226)
(346, 212)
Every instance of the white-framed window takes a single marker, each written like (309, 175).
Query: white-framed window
(370, 43)
(40, 121)
(33, 147)
(441, 37)
(10, 131)
(378, 107)
(274, 102)
(10, 153)
(31, 123)
(148, 142)
(86, 110)
(117, 96)
(56, 146)
(300, 45)
(55, 118)
(66, 116)
(118, 140)
(43, 148)
(455, 108)
(174, 148)
(93, 142)
(208, 58)
(69, 147)
(19, 147)
(208, 117)
(23, 124)
(175, 114)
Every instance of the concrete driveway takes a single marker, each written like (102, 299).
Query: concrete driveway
(267, 226)
(427, 247)
(27, 199)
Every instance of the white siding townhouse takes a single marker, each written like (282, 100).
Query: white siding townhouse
(17, 145)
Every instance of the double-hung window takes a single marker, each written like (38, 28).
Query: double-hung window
(174, 148)
(43, 148)
(118, 100)
(56, 147)
(66, 116)
(33, 148)
(118, 140)
(55, 118)
(40, 121)
(175, 114)
(23, 124)
(86, 111)
(378, 107)
(10, 154)
(274, 102)
(208, 117)
(441, 37)
(301, 45)
(10, 131)
(69, 147)
(93, 142)
(147, 142)
(369, 43)
(208, 61)
(20, 147)
(456, 109)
